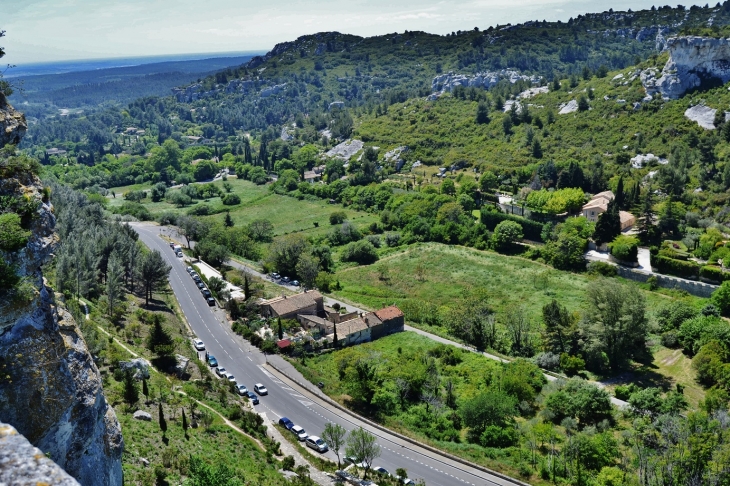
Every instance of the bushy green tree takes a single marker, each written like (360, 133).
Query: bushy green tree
(489, 417)
(12, 235)
(506, 234)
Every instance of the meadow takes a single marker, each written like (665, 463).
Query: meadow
(286, 214)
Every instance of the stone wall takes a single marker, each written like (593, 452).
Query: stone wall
(699, 289)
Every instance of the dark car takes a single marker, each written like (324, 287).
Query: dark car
(295, 283)
(285, 279)
(206, 293)
(254, 399)
(212, 362)
(211, 301)
(201, 285)
(286, 423)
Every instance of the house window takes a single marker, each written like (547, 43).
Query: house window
(593, 213)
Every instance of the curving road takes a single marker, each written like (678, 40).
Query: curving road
(286, 398)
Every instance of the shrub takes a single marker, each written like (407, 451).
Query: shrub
(714, 273)
(392, 239)
(670, 339)
(572, 365)
(547, 361)
(531, 229)
(624, 392)
(602, 268)
(135, 210)
(625, 248)
(231, 199)
(678, 268)
(506, 234)
(374, 239)
(653, 282)
(8, 277)
(12, 236)
(362, 252)
(200, 210)
(338, 217)
(721, 298)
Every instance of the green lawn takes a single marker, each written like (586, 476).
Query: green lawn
(287, 214)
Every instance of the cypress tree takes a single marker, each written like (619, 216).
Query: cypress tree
(281, 330)
(163, 422)
(131, 392)
(145, 391)
(334, 341)
(620, 193)
(184, 421)
(608, 226)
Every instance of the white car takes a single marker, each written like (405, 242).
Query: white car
(231, 378)
(242, 390)
(221, 371)
(260, 389)
(299, 432)
(314, 442)
(199, 345)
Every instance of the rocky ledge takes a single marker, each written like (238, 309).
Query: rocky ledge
(12, 123)
(21, 464)
(692, 60)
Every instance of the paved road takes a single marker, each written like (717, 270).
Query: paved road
(246, 363)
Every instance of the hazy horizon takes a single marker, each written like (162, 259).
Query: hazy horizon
(41, 31)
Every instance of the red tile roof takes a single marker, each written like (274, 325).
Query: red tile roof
(283, 343)
(389, 313)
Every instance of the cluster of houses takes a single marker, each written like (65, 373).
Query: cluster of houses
(314, 175)
(322, 322)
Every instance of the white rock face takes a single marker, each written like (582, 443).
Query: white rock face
(703, 115)
(447, 82)
(641, 159)
(140, 366)
(570, 107)
(691, 59)
(346, 149)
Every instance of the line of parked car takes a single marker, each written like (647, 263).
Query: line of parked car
(284, 280)
(259, 388)
(203, 289)
(312, 441)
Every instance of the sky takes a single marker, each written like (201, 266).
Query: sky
(55, 30)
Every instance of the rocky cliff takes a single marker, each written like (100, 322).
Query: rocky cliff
(50, 388)
(12, 123)
(692, 60)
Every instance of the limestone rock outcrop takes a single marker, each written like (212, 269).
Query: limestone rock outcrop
(12, 123)
(447, 82)
(692, 60)
(21, 464)
(50, 388)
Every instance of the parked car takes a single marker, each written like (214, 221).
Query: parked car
(299, 432)
(381, 470)
(206, 293)
(254, 399)
(199, 345)
(314, 442)
(286, 423)
(193, 273)
(260, 389)
(285, 279)
(179, 254)
(189, 269)
(242, 390)
(201, 285)
(220, 371)
(211, 301)
(231, 378)
(197, 279)
(275, 276)
(295, 283)
(349, 460)
(212, 362)
(172, 245)
(405, 480)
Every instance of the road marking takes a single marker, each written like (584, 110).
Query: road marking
(305, 403)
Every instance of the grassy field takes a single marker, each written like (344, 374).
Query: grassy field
(287, 214)
(450, 273)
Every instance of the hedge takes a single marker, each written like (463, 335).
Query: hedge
(531, 229)
(674, 267)
(714, 273)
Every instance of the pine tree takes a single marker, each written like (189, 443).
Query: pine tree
(163, 422)
(145, 390)
(159, 340)
(114, 283)
(482, 113)
(228, 221)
